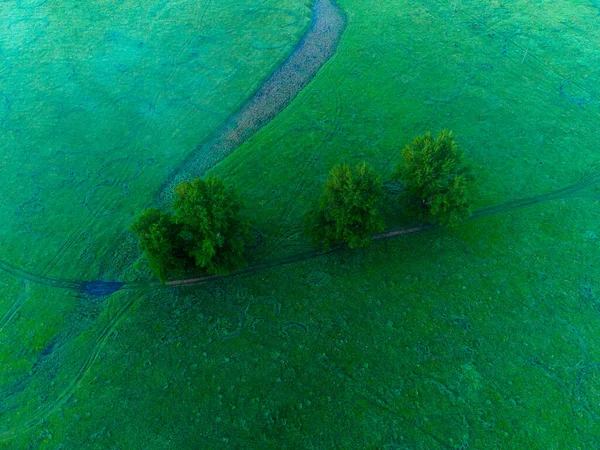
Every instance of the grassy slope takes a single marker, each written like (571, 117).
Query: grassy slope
(481, 337)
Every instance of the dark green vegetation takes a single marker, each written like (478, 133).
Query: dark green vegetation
(350, 208)
(436, 180)
(483, 336)
(161, 241)
(212, 228)
(206, 231)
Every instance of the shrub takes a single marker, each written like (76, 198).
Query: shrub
(350, 208)
(436, 180)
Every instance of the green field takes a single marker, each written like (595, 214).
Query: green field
(482, 337)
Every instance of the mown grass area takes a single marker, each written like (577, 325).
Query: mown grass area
(481, 337)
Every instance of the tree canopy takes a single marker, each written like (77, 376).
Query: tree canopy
(350, 208)
(159, 238)
(205, 231)
(436, 180)
(213, 230)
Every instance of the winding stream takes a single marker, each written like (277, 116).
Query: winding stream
(315, 48)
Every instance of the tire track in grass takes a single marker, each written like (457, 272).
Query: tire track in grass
(327, 24)
(82, 227)
(574, 190)
(17, 304)
(480, 21)
(175, 63)
(100, 288)
(571, 191)
(274, 95)
(320, 28)
(315, 48)
(71, 284)
(103, 289)
(49, 408)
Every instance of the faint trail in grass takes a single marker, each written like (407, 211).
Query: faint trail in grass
(314, 49)
(101, 288)
(362, 389)
(568, 192)
(321, 29)
(317, 46)
(299, 325)
(82, 227)
(109, 287)
(99, 209)
(584, 392)
(49, 408)
(526, 51)
(305, 171)
(123, 174)
(242, 313)
(574, 190)
(96, 289)
(17, 304)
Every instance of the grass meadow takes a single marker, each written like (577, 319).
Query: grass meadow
(482, 337)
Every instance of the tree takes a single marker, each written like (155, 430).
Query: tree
(436, 180)
(205, 232)
(212, 228)
(350, 208)
(159, 238)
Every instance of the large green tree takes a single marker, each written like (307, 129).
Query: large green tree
(350, 208)
(212, 227)
(436, 180)
(205, 231)
(159, 238)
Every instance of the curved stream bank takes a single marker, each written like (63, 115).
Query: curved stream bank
(273, 96)
(315, 48)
